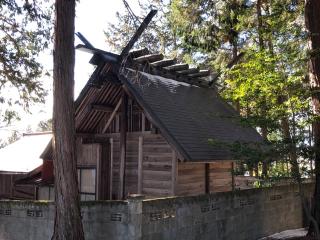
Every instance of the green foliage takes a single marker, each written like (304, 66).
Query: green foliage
(25, 31)
(158, 35)
(45, 125)
(210, 31)
(268, 85)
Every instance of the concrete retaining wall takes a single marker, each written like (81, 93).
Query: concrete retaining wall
(246, 215)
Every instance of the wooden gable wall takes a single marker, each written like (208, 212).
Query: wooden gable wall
(152, 167)
(148, 165)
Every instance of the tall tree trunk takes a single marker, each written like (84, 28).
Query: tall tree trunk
(312, 15)
(68, 224)
(264, 129)
(260, 27)
(265, 165)
(292, 150)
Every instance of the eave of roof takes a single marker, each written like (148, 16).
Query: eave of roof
(189, 125)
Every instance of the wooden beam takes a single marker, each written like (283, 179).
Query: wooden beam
(138, 33)
(164, 63)
(101, 107)
(149, 58)
(104, 173)
(111, 168)
(174, 173)
(98, 172)
(84, 40)
(207, 178)
(107, 56)
(94, 139)
(140, 164)
(143, 123)
(171, 74)
(178, 67)
(113, 114)
(201, 73)
(123, 146)
(139, 53)
(232, 175)
(188, 71)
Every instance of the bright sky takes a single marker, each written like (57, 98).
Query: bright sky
(92, 18)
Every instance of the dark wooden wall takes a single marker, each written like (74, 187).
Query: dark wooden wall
(9, 191)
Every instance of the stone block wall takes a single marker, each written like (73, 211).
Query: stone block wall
(241, 215)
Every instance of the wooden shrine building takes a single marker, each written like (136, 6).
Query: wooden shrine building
(147, 132)
(143, 125)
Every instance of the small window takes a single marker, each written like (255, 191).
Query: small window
(87, 183)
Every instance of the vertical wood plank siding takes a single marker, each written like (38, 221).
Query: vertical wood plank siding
(140, 167)
(158, 175)
(156, 161)
(87, 154)
(221, 176)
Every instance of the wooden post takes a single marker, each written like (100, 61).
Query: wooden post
(11, 186)
(140, 165)
(174, 173)
(113, 114)
(207, 178)
(138, 33)
(117, 124)
(104, 173)
(232, 174)
(111, 168)
(143, 122)
(123, 145)
(36, 192)
(98, 171)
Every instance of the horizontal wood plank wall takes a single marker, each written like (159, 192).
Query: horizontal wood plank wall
(191, 179)
(87, 154)
(221, 176)
(157, 166)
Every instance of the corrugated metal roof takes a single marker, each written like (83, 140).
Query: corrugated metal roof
(190, 116)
